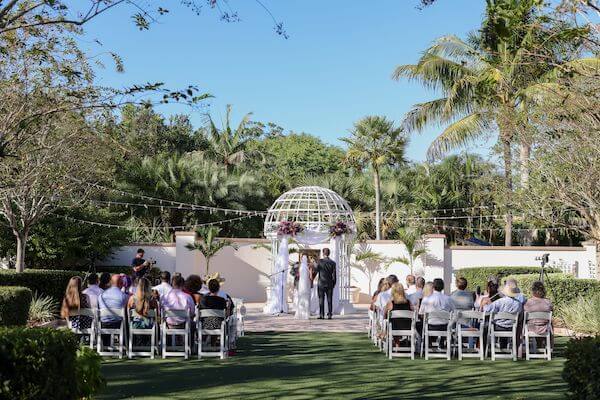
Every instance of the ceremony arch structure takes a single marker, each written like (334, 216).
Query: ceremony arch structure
(320, 216)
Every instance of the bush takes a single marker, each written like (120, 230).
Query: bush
(478, 276)
(43, 282)
(42, 309)
(38, 363)
(14, 305)
(561, 289)
(582, 315)
(582, 368)
(89, 377)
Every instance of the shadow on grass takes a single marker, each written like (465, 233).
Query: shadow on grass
(329, 365)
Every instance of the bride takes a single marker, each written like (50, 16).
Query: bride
(304, 292)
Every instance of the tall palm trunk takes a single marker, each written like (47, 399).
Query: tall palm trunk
(377, 183)
(524, 154)
(507, 155)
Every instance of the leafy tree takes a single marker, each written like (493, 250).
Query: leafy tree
(412, 239)
(369, 262)
(375, 142)
(208, 244)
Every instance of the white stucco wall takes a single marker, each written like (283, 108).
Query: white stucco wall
(246, 269)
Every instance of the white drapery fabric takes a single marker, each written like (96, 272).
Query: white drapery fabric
(277, 302)
(303, 298)
(309, 238)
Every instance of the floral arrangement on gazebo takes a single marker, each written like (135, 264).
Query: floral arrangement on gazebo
(340, 228)
(290, 228)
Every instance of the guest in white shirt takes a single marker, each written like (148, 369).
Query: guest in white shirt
(384, 297)
(93, 291)
(410, 285)
(415, 297)
(164, 287)
(520, 296)
(177, 299)
(438, 301)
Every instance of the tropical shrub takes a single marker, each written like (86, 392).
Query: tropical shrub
(582, 368)
(582, 315)
(87, 371)
(42, 309)
(561, 289)
(14, 305)
(38, 363)
(478, 276)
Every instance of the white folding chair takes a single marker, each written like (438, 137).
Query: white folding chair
(240, 315)
(91, 331)
(113, 332)
(402, 351)
(496, 334)
(152, 332)
(222, 333)
(474, 318)
(446, 318)
(547, 350)
(371, 326)
(185, 332)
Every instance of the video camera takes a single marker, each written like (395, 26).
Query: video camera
(544, 258)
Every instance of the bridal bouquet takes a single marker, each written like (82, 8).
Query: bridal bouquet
(290, 228)
(340, 228)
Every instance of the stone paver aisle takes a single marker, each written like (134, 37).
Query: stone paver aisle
(256, 321)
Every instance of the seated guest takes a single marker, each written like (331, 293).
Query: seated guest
(126, 284)
(538, 303)
(399, 302)
(437, 301)
(142, 302)
(177, 299)
(509, 303)
(520, 296)
(93, 290)
(417, 295)
(461, 297)
(386, 295)
(104, 280)
(113, 297)
(376, 293)
(164, 287)
(74, 301)
(410, 285)
(192, 286)
(212, 301)
(490, 295)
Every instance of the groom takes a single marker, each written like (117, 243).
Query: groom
(327, 278)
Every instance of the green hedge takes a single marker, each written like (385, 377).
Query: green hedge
(582, 368)
(14, 305)
(44, 282)
(478, 276)
(560, 288)
(43, 363)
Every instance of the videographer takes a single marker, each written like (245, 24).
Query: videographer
(140, 266)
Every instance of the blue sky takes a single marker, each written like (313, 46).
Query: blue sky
(334, 69)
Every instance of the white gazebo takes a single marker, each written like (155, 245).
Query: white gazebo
(314, 211)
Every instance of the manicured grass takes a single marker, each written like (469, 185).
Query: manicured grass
(329, 365)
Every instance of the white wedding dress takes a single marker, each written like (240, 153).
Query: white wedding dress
(303, 298)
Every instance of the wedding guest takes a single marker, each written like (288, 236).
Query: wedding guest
(509, 303)
(104, 280)
(142, 302)
(177, 299)
(74, 301)
(113, 297)
(491, 294)
(192, 286)
(93, 291)
(385, 296)
(437, 301)
(164, 287)
(212, 301)
(520, 296)
(410, 285)
(399, 302)
(461, 297)
(376, 293)
(415, 298)
(538, 303)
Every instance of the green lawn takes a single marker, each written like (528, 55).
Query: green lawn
(329, 365)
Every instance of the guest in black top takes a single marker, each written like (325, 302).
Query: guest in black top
(399, 302)
(212, 301)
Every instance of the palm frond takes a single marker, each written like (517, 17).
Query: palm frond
(458, 134)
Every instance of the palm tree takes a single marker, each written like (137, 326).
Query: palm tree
(485, 83)
(208, 244)
(369, 262)
(375, 143)
(415, 247)
(228, 146)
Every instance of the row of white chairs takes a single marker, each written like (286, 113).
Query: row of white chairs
(191, 332)
(464, 324)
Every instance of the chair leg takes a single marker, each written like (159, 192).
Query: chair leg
(427, 346)
(390, 344)
(449, 346)
(130, 344)
(527, 349)
(164, 344)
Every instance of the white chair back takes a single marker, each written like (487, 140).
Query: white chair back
(212, 313)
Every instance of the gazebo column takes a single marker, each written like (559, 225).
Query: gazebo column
(342, 291)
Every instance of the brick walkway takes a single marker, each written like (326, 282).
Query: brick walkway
(256, 321)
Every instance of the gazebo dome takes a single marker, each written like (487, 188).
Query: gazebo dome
(314, 207)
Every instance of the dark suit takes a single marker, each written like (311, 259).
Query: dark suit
(326, 271)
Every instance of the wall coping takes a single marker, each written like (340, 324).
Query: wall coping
(142, 245)
(512, 248)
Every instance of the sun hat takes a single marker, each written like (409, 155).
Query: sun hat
(510, 289)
